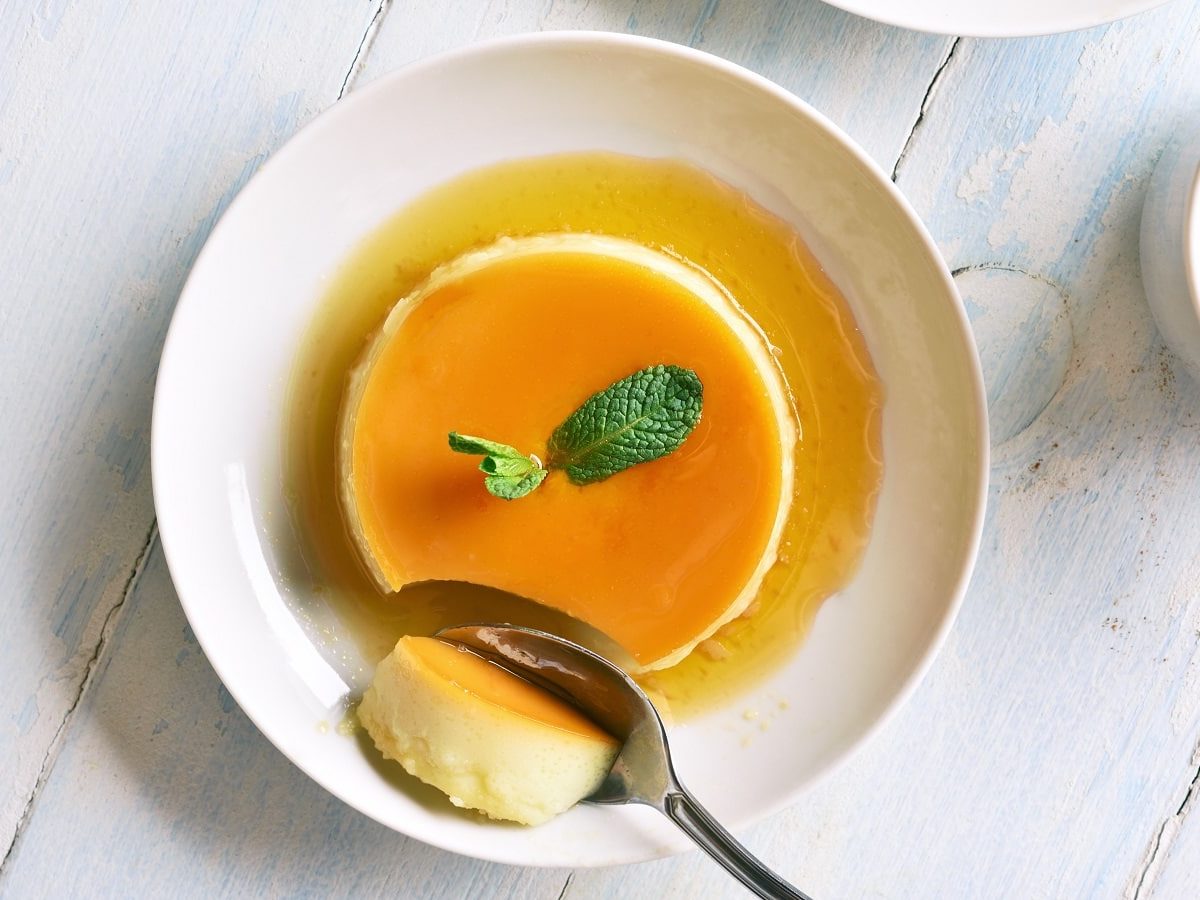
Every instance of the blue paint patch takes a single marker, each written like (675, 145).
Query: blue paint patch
(49, 17)
(28, 714)
(287, 109)
(125, 454)
(193, 242)
(189, 635)
(160, 726)
(706, 13)
(226, 699)
(76, 601)
(67, 600)
(972, 309)
(7, 168)
(632, 22)
(182, 655)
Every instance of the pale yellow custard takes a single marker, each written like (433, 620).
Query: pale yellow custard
(486, 738)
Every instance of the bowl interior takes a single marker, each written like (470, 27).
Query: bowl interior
(220, 403)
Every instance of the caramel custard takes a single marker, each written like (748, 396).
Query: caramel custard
(507, 341)
(661, 204)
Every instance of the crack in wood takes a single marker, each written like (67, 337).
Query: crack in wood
(106, 631)
(1008, 267)
(567, 884)
(364, 47)
(1144, 878)
(933, 83)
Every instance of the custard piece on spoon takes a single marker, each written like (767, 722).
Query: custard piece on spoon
(487, 739)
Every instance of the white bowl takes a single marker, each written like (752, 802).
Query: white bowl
(1170, 246)
(220, 401)
(1005, 18)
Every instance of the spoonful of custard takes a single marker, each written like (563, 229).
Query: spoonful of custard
(641, 771)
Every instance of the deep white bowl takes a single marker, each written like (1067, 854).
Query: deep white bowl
(1170, 246)
(219, 408)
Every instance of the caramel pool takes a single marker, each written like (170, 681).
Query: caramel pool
(559, 350)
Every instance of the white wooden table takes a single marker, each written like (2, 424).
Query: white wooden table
(1054, 747)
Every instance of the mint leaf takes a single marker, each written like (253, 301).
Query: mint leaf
(638, 419)
(509, 472)
(466, 443)
(509, 487)
(517, 466)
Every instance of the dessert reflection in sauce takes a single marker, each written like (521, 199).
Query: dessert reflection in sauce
(526, 289)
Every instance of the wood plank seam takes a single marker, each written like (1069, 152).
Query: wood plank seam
(364, 47)
(111, 618)
(1142, 883)
(925, 101)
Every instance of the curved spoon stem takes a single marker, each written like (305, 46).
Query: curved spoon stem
(685, 811)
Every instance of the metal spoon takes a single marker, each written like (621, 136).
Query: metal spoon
(642, 772)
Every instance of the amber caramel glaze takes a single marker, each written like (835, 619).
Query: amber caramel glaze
(662, 204)
(656, 557)
(481, 678)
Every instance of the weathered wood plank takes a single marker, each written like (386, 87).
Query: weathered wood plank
(1171, 867)
(1081, 630)
(124, 131)
(1049, 750)
(785, 36)
(868, 78)
(166, 789)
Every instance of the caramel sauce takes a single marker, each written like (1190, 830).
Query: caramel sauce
(661, 204)
(472, 674)
(655, 557)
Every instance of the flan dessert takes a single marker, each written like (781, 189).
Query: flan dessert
(506, 342)
(489, 740)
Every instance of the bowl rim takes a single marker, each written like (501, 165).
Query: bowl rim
(601, 40)
(928, 21)
(1191, 241)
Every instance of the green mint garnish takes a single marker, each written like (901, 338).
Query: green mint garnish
(640, 418)
(508, 473)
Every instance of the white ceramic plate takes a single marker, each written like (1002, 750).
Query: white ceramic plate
(219, 408)
(996, 18)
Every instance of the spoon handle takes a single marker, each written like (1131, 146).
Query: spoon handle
(686, 812)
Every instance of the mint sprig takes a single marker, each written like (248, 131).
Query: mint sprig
(640, 418)
(507, 472)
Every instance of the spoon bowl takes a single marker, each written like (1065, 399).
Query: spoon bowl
(642, 772)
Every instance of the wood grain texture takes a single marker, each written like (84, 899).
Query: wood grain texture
(1052, 750)
(165, 788)
(868, 78)
(126, 130)
(1170, 866)
(1083, 622)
